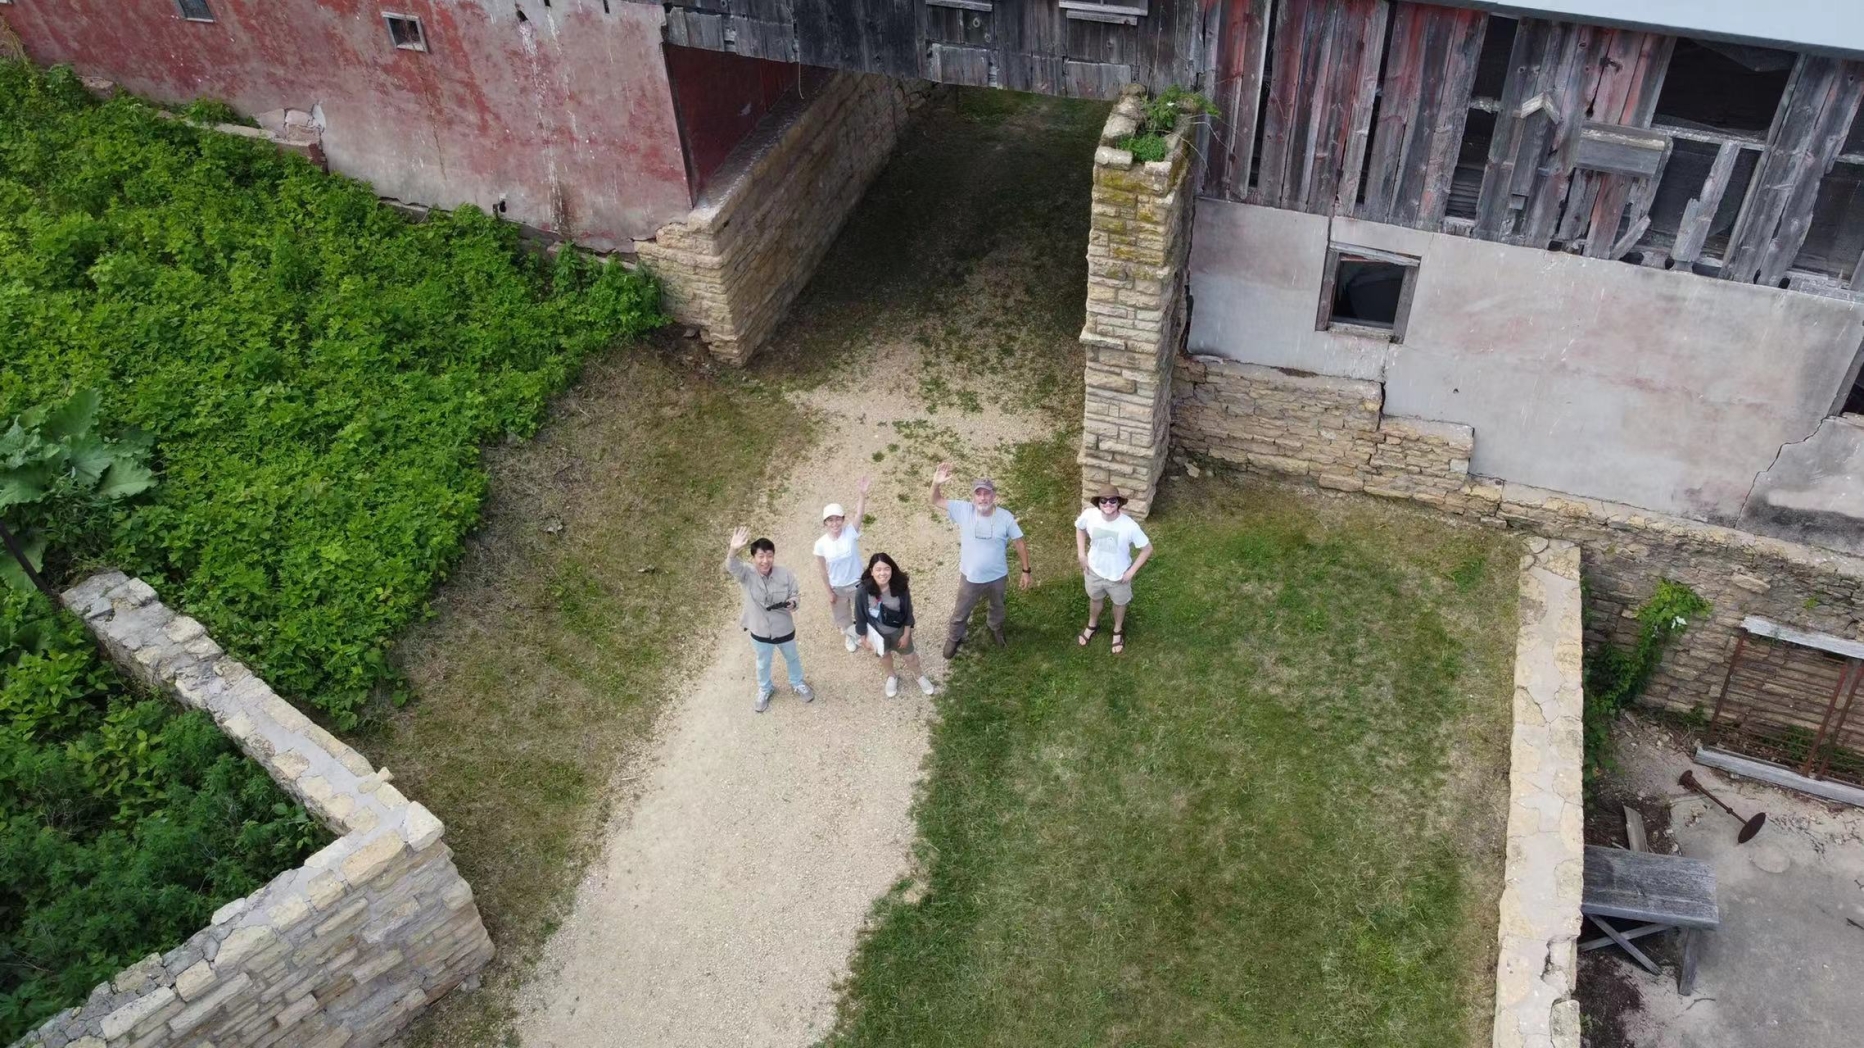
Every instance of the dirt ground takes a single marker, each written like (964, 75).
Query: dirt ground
(1782, 968)
(731, 889)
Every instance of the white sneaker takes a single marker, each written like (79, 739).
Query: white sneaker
(925, 685)
(893, 686)
(853, 645)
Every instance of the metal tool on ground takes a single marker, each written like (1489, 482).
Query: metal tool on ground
(1749, 827)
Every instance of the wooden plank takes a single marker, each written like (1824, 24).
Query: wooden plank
(1427, 193)
(1815, 112)
(1623, 942)
(1634, 830)
(1692, 231)
(1498, 206)
(1095, 79)
(1400, 99)
(1359, 77)
(1778, 776)
(1645, 886)
(954, 64)
(1430, 70)
(1825, 642)
(1295, 43)
(1242, 35)
(1617, 149)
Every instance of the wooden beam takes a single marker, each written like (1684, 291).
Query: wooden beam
(1243, 36)
(1692, 232)
(1616, 149)
(1808, 131)
(1359, 77)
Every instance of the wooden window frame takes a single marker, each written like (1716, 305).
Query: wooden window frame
(390, 18)
(182, 7)
(1337, 253)
(964, 5)
(1113, 12)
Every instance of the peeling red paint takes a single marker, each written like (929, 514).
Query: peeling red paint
(576, 132)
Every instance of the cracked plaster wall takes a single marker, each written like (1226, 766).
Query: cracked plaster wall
(1662, 390)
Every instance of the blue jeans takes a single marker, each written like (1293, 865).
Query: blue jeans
(791, 660)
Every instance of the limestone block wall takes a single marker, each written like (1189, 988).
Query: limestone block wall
(344, 950)
(1138, 246)
(735, 263)
(1333, 432)
(1544, 876)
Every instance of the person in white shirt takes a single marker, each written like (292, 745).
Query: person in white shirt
(838, 558)
(985, 533)
(1104, 538)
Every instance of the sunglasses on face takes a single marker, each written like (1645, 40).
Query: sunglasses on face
(1108, 502)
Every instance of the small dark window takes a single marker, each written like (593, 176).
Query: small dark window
(195, 10)
(1725, 87)
(405, 32)
(1367, 291)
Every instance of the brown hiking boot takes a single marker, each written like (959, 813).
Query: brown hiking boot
(951, 646)
(997, 635)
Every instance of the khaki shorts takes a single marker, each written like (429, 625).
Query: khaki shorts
(1097, 588)
(843, 606)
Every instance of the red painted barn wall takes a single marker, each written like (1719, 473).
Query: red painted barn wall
(721, 97)
(567, 115)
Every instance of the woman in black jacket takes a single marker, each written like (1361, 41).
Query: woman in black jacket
(884, 605)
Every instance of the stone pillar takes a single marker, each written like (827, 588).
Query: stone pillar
(1136, 269)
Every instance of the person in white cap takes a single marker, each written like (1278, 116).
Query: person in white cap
(985, 533)
(838, 558)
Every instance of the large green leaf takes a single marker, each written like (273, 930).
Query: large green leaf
(74, 417)
(10, 571)
(90, 456)
(23, 485)
(124, 478)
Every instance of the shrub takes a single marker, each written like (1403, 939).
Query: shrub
(1160, 119)
(124, 822)
(317, 373)
(1616, 675)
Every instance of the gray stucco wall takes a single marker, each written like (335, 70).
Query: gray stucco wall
(1815, 492)
(1658, 389)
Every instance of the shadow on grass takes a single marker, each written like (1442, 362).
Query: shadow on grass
(1276, 820)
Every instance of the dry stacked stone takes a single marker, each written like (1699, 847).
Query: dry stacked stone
(344, 950)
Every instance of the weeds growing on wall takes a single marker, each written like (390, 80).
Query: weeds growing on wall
(124, 822)
(1616, 674)
(1161, 118)
(317, 373)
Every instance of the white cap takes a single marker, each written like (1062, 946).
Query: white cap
(833, 509)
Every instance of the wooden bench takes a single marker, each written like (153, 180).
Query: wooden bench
(1661, 891)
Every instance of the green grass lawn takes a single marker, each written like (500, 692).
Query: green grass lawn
(1277, 819)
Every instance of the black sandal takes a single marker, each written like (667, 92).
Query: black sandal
(1119, 641)
(1087, 635)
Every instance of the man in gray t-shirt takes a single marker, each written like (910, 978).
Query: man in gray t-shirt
(985, 533)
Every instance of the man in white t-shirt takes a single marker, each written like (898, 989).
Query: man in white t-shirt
(838, 558)
(1104, 538)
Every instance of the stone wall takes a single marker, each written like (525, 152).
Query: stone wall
(735, 263)
(1543, 880)
(1136, 260)
(1332, 432)
(344, 950)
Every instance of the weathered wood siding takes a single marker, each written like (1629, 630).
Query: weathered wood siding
(1023, 45)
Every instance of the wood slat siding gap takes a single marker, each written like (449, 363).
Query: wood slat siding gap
(1632, 78)
(1430, 70)
(1360, 78)
(1241, 36)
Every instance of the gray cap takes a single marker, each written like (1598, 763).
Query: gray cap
(983, 484)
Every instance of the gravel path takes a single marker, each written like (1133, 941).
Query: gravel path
(731, 893)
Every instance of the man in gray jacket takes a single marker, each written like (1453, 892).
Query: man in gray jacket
(770, 597)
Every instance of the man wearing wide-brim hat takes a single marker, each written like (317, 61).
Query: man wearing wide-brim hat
(985, 533)
(1104, 538)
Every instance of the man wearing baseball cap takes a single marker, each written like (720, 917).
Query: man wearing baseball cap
(1104, 538)
(838, 558)
(985, 532)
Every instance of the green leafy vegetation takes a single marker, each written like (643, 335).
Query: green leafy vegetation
(124, 822)
(1616, 674)
(1162, 112)
(56, 473)
(317, 374)
(1277, 819)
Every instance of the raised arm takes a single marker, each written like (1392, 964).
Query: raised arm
(939, 477)
(739, 536)
(860, 504)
